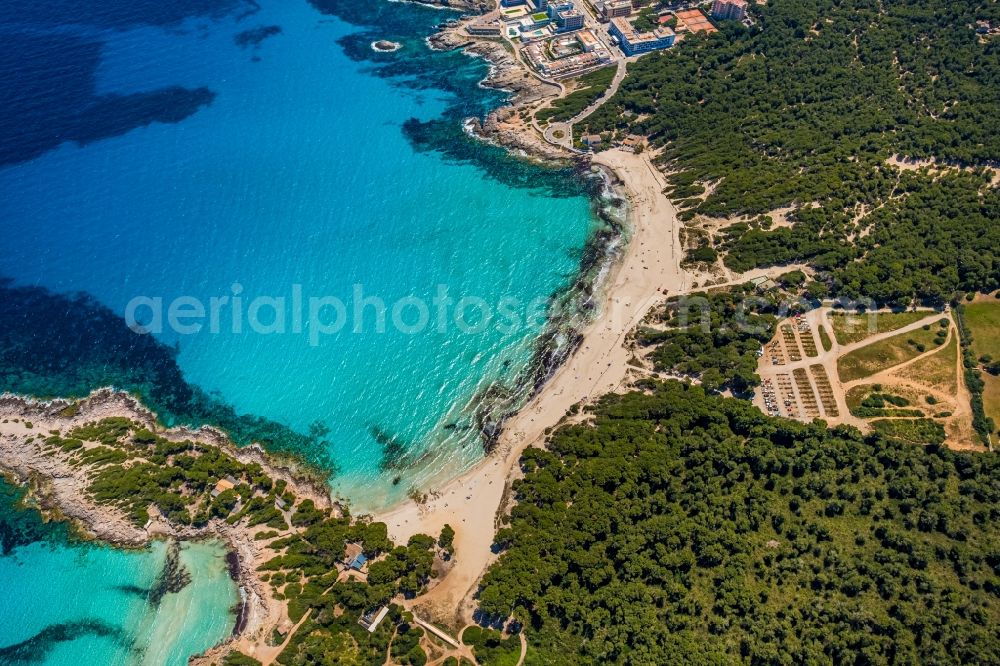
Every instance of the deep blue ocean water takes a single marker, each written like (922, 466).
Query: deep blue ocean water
(211, 148)
(317, 162)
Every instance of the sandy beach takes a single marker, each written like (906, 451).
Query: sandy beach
(648, 271)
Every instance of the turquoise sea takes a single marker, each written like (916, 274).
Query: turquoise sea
(65, 601)
(319, 163)
(220, 148)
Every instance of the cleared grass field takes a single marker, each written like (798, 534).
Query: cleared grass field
(937, 371)
(991, 396)
(855, 395)
(851, 328)
(983, 319)
(885, 354)
(915, 431)
(877, 401)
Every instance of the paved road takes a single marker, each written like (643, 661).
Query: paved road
(599, 102)
(563, 141)
(566, 128)
(566, 141)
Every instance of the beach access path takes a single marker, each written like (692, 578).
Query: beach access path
(648, 272)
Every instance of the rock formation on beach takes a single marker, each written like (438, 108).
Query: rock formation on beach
(477, 6)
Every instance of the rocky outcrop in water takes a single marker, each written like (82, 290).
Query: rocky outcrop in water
(385, 46)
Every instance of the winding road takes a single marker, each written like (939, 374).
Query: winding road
(566, 141)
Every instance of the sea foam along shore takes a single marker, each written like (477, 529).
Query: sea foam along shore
(649, 268)
(504, 126)
(472, 504)
(60, 489)
(647, 272)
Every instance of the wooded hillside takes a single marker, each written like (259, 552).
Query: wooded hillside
(807, 108)
(681, 528)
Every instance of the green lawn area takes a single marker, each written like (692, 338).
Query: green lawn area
(983, 319)
(824, 338)
(885, 354)
(991, 396)
(851, 328)
(938, 370)
(916, 431)
(590, 87)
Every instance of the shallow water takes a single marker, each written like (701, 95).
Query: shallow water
(64, 601)
(217, 148)
(311, 160)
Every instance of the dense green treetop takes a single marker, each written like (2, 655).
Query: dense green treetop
(132, 468)
(805, 109)
(683, 528)
(713, 336)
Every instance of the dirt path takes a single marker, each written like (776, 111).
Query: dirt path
(649, 272)
(778, 377)
(524, 648)
(932, 317)
(888, 375)
(959, 424)
(266, 654)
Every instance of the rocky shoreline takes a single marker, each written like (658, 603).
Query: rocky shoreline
(60, 490)
(509, 126)
(572, 310)
(477, 6)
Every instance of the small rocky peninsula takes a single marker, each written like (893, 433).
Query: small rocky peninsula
(107, 465)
